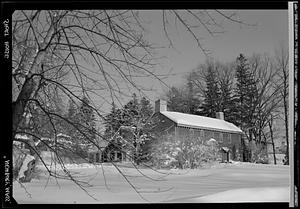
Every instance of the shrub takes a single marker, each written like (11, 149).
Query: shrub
(184, 152)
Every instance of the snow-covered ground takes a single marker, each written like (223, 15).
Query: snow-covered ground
(233, 182)
(265, 194)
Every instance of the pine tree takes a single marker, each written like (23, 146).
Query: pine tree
(183, 99)
(193, 102)
(83, 126)
(245, 97)
(177, 101)
(227, 105)
(72, 116)
(146, 109)
(131, 110)
(211, 103)
(87, 120)
(113, 121)
(245, 94)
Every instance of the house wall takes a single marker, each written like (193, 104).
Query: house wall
(164, 125)
(222, 137)
(230, 140)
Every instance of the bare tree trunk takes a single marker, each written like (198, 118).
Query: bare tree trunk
(18, 111)
(21, 102)
(272, 139)
(137, 149)
(286, 128)
(282, 58)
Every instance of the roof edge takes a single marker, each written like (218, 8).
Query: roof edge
(207, 128)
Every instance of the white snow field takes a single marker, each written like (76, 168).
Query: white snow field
(236, 182)
(268, 194)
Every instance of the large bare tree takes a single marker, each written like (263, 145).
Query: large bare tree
(281, 64)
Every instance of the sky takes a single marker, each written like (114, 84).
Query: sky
(269, 29)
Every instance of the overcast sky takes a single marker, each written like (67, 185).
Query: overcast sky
(270, 30)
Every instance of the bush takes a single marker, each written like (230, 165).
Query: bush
(184, 152)
(263, 159)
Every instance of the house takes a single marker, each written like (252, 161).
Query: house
(201, 128)
(105, 152)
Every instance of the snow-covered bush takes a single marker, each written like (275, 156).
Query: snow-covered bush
(260, 157)
(184, 152)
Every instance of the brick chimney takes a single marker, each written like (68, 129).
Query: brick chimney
(160, 105)
(220, 115)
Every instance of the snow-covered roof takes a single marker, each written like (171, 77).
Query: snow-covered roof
(201, 122)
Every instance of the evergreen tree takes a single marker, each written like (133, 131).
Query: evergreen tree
(137, 114)
(211, 103)
(82, 128)
(227, 104)
(129, 125)
(146, 109)
(71, 128)
(193, 103)
(113, 121)
(245, 97)
(87, 121)
(131, 110)
(183, 99)
(176, 100)
(245, 94)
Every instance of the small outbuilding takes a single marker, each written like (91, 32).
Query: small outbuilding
(225, 154)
